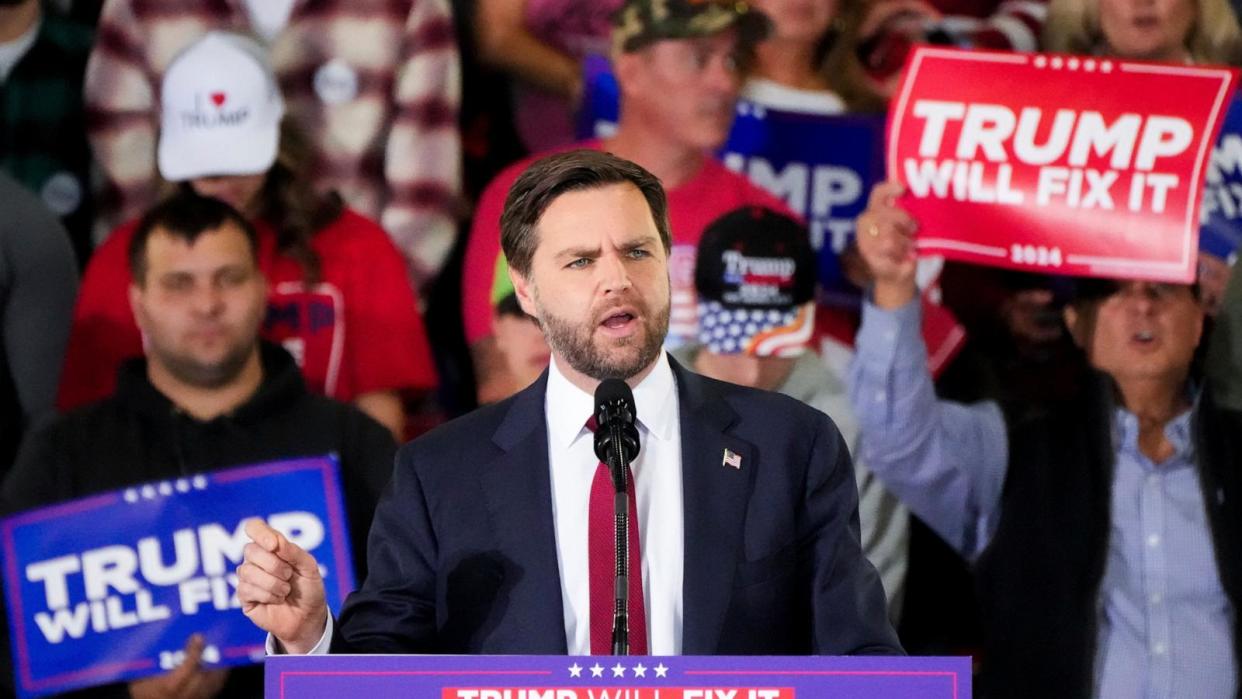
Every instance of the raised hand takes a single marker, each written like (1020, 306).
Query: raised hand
(281, 590)
(885, 235)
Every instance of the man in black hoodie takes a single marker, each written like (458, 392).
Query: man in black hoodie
(209, 395)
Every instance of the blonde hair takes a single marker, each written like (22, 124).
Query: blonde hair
(841, 65)
(1073, 26)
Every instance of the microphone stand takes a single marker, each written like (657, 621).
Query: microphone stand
(621, 526)
(616, 443)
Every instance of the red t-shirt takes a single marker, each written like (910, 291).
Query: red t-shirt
(714, 191)
(357, 331)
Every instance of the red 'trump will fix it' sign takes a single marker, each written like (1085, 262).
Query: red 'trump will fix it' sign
(1064, 164)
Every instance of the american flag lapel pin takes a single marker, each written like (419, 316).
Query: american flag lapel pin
(732, 460)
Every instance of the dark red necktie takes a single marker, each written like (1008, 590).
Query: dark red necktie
(601, 555)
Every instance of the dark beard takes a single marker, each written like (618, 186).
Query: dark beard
(200, 375)
(574, 343)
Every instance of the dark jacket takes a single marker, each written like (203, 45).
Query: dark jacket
(138, 435)
(1039, 579)
(463, 550)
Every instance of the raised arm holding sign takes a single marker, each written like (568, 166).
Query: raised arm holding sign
(1042, 501)
(1031, 162)
(886, 241)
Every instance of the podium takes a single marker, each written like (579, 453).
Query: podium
(613, 677)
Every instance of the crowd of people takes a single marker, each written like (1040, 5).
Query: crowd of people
(250, 230)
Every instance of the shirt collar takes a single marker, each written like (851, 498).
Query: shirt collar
(1178, 431)
(567, 407)
(14, 51)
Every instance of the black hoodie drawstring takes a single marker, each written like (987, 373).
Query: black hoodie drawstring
(178, 448)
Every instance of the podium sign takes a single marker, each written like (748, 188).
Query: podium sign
(603, 677)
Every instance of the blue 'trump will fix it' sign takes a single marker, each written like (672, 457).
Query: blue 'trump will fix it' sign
(110, 587)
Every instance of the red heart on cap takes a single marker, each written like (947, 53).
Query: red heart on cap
(217, 98)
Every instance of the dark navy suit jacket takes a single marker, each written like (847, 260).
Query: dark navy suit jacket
(462, 552)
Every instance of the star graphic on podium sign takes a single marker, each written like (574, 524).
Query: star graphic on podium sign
(597, 670)
(661, 671)
(618, 670)
(575, 670)
(640, 670)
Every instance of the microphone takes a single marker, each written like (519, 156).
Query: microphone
(616, 437)
(616, 444)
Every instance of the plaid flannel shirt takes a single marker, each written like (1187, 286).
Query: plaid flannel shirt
(42, 125)
(1008, 25)
(375, 84)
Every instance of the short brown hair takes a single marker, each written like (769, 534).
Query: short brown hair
(548, 178)
(185, 216)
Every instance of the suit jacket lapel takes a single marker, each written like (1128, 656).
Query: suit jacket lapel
(518, 491)
(714, 497)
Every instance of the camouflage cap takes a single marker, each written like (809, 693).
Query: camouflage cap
(640, 22)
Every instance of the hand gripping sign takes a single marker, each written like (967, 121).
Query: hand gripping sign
(108, 588)
(1064, 164)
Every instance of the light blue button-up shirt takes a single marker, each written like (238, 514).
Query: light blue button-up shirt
(1165, 626)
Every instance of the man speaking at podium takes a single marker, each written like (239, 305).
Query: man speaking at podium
(495, 534)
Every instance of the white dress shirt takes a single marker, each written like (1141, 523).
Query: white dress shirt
(657, 484)
(657, 489)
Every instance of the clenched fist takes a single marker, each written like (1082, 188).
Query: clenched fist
(280, 589)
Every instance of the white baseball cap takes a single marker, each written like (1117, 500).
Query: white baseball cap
(221, 110)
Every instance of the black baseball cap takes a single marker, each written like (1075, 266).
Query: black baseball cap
(755, 278)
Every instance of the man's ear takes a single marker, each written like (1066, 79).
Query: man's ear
(1202, 317)
(627, 68)
(1075, 321)
(263, 284)
(135, 305)
(524, 290)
